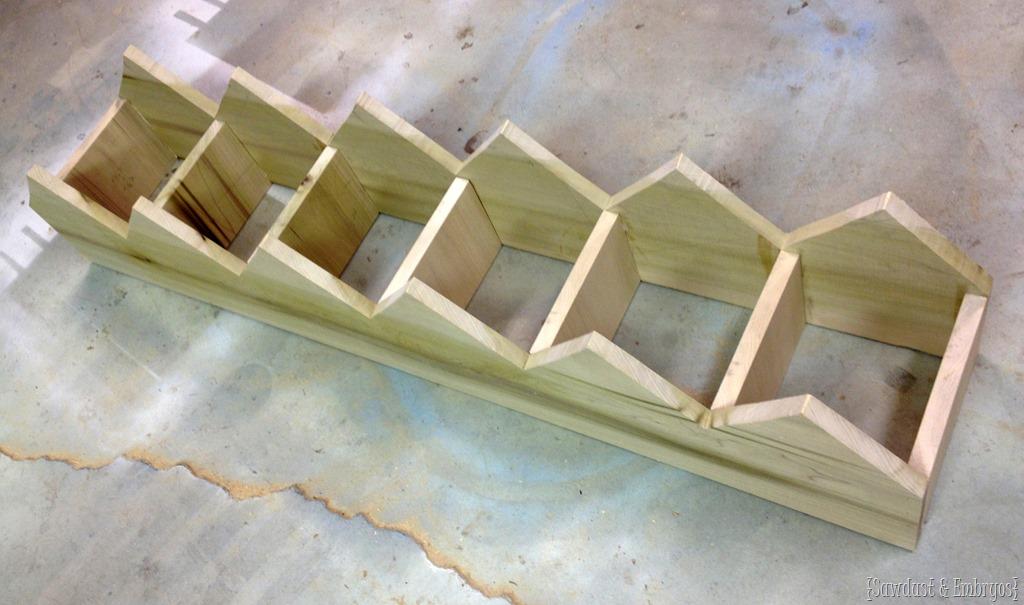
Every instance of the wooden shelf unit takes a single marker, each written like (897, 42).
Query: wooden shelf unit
(877, 270)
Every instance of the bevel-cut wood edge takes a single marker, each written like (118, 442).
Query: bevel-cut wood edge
(289, 107)
(274, 264)
(709, 185)
(906, 216)
(143, 62)
(455, 249)
(597, 293)
(847, 437)
(594, 359)
(453, 321)
(548, 160)
(166, 240)
(385, 117)
(405, 171)
(947, 394)
(71, 213)
(689, 233)
(769, 340)
(188, 112)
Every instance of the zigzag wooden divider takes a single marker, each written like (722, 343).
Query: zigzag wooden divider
(877, 270)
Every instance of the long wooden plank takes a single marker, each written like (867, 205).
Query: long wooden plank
(454, 250)
(880, 271)
(329, 215)
(217, 186)
(119, 161)
(404, 171)
(536, 202)
(178, 113)
(690, 233)
(762, 357)
(597, 293)
(283, 139)
(948, 392)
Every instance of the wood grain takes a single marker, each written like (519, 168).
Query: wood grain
(455, 249)
(690, 233)
(217, 186)
(178, 113)
(404, 171)
(121, 160)
(329, 215)
(597, 293)
(283, 139)
(769, 340)
(535, 201)
(878, 270)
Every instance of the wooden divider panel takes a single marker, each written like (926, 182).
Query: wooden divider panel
(455, 249)
(329, 215)
(217, 187)
(762, 357)
(178, 113)
(73, 214)
(948, 392)
(404, 171)
(121, 160)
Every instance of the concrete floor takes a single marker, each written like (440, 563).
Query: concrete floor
(234, 462)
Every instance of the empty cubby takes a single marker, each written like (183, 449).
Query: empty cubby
(461, 255)
(222, 193)
(884, 390)
(121, 160)
(333, 222)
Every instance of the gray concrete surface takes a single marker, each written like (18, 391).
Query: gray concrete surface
(233, 462)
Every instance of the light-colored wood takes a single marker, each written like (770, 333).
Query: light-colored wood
(283, 139)
(793, 451)
(948, 392)
(594, 359)
(329, 215)
(815, 484)
(217, 186)
(121, 160)
(535, 201)
(404, 171)
(690, 233)
(769, 340)
(880, 271)
(599, 288)
(419, 318)
(163, 239)
(178, 113)
(73, 214)
(455, 249)
(820, 444)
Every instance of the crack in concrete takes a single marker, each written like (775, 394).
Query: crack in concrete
(240, 490)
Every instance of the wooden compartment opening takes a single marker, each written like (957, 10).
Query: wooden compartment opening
(460, 255)
(223, 194)
(895, 395)
(120, 161)
(334, 223)
(678, 338)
